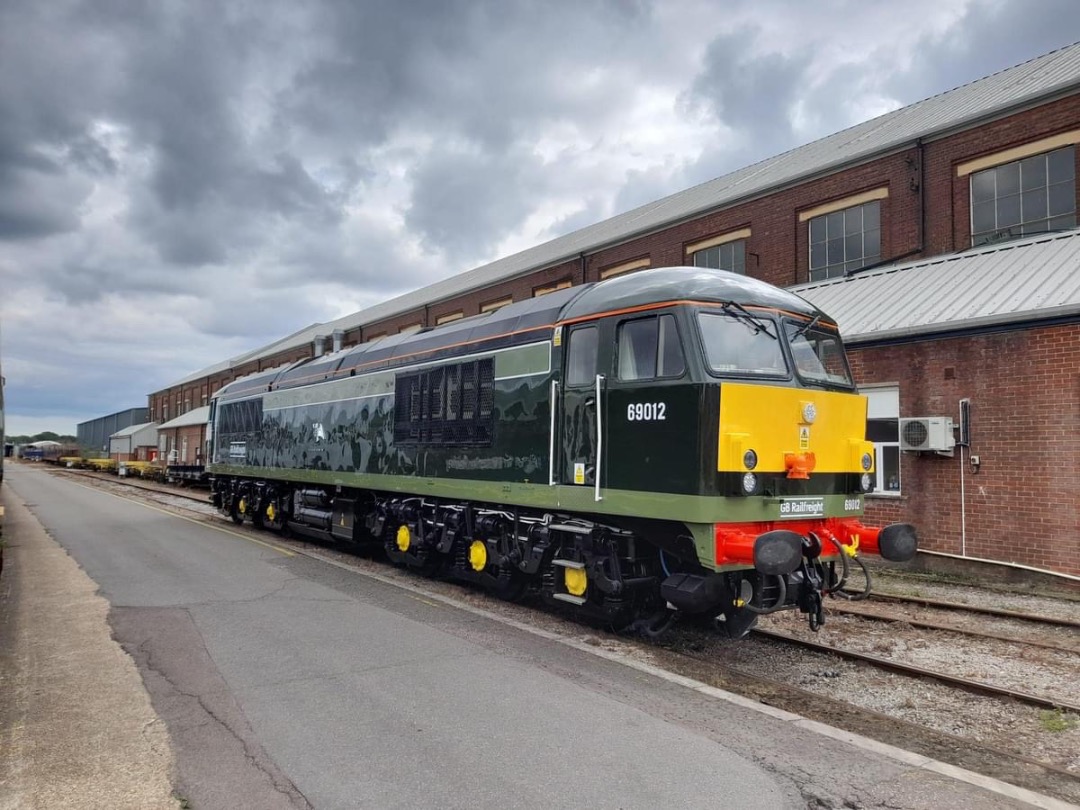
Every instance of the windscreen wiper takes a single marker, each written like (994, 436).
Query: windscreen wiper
(739, 312)
(806, 327)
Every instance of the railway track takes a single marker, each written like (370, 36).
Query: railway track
(1073, 647)
(835, 708)
(1011, 766)
(959, 606)
(967, 684)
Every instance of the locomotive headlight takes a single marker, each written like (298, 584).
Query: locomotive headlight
(867, 461)
(749, 483)
(809, 412)
(749, 459)
(866, 482)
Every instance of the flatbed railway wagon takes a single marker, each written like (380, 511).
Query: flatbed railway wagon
(678, 441)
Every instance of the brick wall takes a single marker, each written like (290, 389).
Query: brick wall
(1024, 387)
(195, 436)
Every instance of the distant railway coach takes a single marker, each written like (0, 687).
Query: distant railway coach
(679, 440)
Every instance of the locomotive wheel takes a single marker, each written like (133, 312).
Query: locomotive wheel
(512, 590)
(234, 514)
(431, 567)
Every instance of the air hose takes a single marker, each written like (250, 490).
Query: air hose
(781, 599)
(838, 588)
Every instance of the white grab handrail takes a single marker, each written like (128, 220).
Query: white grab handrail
(551, 438)
(599, 436)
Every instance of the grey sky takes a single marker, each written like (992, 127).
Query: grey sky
(181, 182)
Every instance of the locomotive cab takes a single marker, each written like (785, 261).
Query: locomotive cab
(731, 401)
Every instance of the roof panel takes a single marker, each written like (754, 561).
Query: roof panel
(1021, 281)
(196, 416)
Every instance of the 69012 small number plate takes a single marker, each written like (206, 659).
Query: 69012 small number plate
(646, 412)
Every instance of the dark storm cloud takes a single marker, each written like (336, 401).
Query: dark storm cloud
(490, 69)
(216, 181)
(457, 196)
(35, 204)
(751, 92)
(39, 117)
(198, 178)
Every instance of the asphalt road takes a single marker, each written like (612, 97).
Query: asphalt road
(286, 682)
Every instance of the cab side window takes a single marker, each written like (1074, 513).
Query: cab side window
(650, 348)
(581, 356)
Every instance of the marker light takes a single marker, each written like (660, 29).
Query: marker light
(866, 482)
(867, 461)
(749, 483)
(749, 459)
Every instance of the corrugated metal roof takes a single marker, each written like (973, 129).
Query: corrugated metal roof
(1045, 76)
(1031, 279)
(196, 416)
(131, 430)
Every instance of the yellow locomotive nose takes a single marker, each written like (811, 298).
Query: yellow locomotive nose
(793, 431)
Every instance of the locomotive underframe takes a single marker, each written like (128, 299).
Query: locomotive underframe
(617, 575)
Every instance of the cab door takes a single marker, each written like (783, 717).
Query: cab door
(654, 408)
(582, 406)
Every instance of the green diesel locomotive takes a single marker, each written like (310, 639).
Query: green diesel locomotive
(678, 440)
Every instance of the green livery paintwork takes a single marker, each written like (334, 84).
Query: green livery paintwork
(697, 512)
(659, 437)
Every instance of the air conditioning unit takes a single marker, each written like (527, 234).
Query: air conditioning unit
(928, 434)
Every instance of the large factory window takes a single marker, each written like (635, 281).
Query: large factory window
(845, 240)
(448, 405)
(730, 256)
(1023, 197)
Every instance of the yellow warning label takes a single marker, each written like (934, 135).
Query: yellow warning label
(804, 438)
(579, 473)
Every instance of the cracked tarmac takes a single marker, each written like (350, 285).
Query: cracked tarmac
(285, 682)
(210, 735)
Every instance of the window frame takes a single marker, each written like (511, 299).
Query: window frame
(806, 331)
(884, 399)
(595, 327)
(769, 321)
(1022, 227)
(658, 318)
(823, 272)
(720, 248)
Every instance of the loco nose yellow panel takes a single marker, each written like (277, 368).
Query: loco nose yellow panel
(777, 423)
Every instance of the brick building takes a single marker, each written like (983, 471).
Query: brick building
(986, 163)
